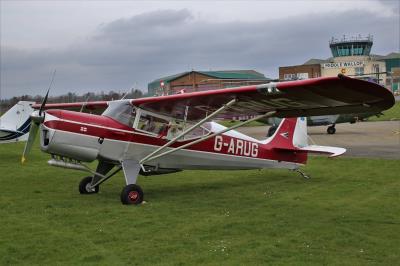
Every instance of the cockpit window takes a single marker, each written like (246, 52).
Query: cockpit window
(124, 113)
(153, 124)
(176, 128)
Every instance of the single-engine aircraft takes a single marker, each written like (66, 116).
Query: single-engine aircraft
(165, 134)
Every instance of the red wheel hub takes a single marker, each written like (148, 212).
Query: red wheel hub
(133, 195)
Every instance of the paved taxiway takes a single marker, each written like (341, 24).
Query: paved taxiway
(363, 139)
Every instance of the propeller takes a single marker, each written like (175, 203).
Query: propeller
(37, 117)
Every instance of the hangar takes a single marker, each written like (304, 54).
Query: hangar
(350, 56)
(205, 80)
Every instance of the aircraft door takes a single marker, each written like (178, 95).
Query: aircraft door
(115, 144)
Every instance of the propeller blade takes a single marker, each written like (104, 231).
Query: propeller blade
(44, 102)
(47, 94)
(31, 139)
(37, 118)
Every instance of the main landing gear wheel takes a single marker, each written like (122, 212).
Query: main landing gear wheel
(84, 186)
(331, 130)
(132, 194)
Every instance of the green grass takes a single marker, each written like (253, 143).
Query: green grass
(388, 115)
(347, 214)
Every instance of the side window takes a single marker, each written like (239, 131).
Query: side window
(152, 124)
(175, 129)
(196, 133)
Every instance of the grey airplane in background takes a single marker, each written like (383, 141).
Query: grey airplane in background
(324, 120)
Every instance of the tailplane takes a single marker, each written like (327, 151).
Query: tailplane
(291, 135)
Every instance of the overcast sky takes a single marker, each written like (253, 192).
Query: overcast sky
(118, 45)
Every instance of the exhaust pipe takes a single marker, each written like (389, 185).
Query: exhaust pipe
(68, 165)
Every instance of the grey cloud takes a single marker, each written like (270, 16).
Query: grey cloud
(158, 22)
(394, 5)
(148, 46)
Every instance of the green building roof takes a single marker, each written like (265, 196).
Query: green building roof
(224, 74)
(232, 74)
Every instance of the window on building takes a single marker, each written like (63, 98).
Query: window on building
(375, 68)
(302, 75)
(359, 71)
(289, 76)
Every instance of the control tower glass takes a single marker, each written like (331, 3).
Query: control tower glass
(354, 46)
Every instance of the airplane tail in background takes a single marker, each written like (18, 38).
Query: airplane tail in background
(15, 123)
(291, 135)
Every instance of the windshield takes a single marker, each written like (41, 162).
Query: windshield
(123, 112)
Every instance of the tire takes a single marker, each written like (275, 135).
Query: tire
(331, 130)
(83, 186)
(271, 131)
(132, 195)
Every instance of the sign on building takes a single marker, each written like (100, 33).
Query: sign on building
(343, 64)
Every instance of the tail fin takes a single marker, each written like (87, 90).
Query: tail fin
(292, 135)
(14, 124)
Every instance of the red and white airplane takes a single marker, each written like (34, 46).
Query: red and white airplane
(166, 134)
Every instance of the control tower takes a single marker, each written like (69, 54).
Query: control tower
(353, 46)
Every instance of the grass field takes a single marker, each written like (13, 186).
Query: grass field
(388, 115)
(347, 214)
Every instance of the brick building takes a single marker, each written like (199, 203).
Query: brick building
(205, 80)
(351, 57)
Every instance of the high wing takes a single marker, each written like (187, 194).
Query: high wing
(92, 107)
(318, 96)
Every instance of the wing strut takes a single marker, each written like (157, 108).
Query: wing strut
(148, 158)
(172, 141)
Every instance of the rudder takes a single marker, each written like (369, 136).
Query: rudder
(290, 134)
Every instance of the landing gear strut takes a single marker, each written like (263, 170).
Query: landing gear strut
(331, 129)
(131, 193)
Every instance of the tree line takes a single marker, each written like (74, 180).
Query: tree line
(71, 97)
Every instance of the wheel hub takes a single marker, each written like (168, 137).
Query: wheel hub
(133, 195)
(89, 188)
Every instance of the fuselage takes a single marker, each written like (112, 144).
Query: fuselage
(88, 137)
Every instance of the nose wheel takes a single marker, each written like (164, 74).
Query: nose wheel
(132, 194)
(86, 188)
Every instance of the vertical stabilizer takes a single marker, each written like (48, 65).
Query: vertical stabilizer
(300, 137)
(14, 124)
(290, 134)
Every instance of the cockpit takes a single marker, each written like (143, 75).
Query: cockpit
(152, 124)
(121, 111)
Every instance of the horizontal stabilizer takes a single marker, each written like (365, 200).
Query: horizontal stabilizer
(12, 131)
(334, 151)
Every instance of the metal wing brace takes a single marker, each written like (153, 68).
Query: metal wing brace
(158, 152)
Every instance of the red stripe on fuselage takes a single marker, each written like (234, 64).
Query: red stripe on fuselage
(108, 128)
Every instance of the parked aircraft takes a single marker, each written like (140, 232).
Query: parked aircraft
(325, 120)
(166, 134)
(15, 123)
